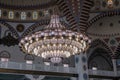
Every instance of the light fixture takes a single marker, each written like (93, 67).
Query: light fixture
(55, 42)
(110, 3)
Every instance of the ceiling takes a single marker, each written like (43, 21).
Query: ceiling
(76, 12)
(25, 3)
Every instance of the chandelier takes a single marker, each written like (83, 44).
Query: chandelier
(55, 42)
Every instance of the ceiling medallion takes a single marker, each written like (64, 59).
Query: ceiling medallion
(110, 3)
(55, 42)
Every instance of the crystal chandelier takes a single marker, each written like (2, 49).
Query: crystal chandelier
(55, 42)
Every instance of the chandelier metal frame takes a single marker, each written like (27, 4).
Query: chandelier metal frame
(55, 42)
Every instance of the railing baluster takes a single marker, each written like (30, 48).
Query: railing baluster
(37, 67)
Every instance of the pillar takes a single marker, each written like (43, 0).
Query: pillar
(114, 66)
(81, 66)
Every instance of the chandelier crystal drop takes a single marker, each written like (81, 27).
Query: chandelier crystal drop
(55, 42)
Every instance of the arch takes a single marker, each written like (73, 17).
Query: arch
(10, 28)
(98, 43)
(6, 32)
(29, 57)
(99, 54)
(40, 24)
(4, 54)
(117, 52)
(34, 26)
(100, 16)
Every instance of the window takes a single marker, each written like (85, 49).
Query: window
(29, 62)
(4, 56)
(23, 15)
(94, 68)
(65, 65)
(47, 63)
(4, 59)
(29, 59)
(11, 15)
(35, 15)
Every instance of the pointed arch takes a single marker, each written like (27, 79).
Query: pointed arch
(34, 26)
(117, 52)
(40, 24)
(100, 16)
(101, 57)
(10, 28)
(100, 50)
(98, 43)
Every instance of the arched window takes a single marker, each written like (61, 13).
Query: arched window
(47, 63)
(11, 15)
(29, 59)
(4, 56)
(94, 66)
(23, 15)
(65, 65)
(35, 15)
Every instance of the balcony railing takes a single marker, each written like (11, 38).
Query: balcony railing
(50, 68)
(118, 73)
(101, 73)
(37, 67)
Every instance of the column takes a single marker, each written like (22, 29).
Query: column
(114, 66)
(81, 65)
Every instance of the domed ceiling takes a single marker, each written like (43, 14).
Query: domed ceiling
(108, 26)
(36, 10)
(101, 5)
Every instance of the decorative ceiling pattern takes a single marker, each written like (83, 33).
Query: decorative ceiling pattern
(9, 27)
(65, 7)
(101, 5)
(100, 57)
(84, 15)
(26, 4)
(76, 12)
(25, 16)
(99, 43)
(104, 26)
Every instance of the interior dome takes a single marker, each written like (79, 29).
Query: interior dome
(105, 27)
